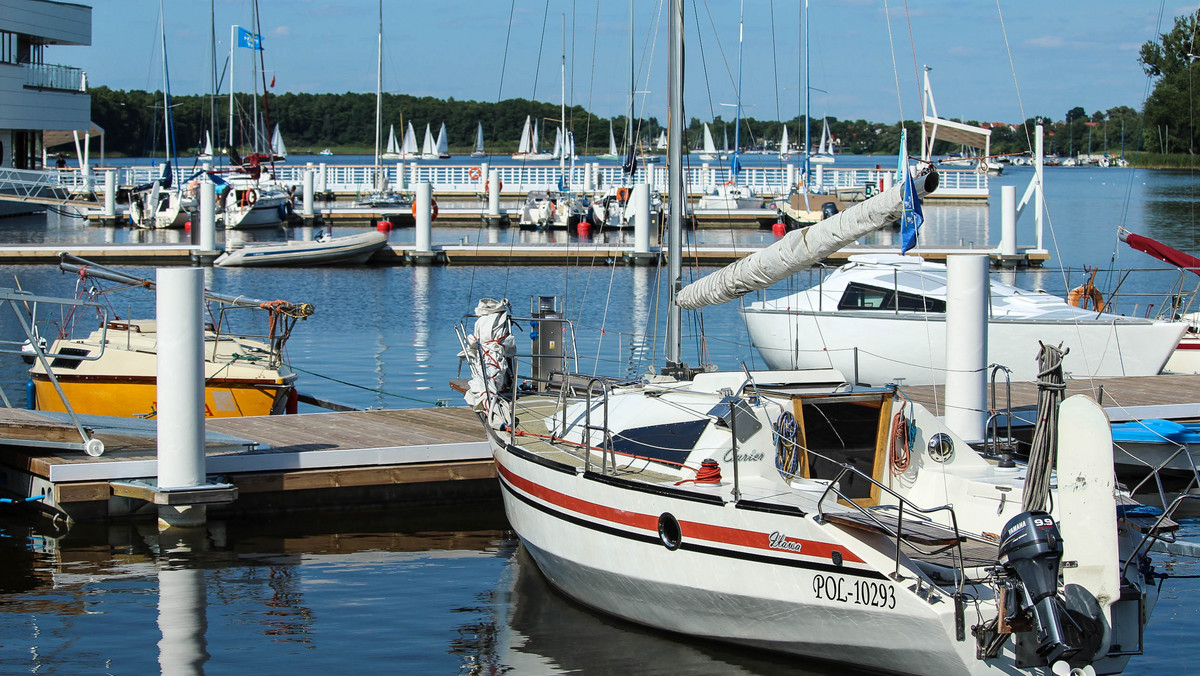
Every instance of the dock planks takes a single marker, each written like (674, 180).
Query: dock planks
(356, 454)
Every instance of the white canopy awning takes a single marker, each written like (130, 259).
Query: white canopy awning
(58, 137)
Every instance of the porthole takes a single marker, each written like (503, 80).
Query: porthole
(668, 531)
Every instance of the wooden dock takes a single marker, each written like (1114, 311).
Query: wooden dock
(273, 463)
(472, 254)
(1175, 397)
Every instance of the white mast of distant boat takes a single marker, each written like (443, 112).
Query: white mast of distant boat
(379, 100)
(562, 114)
(674, 180)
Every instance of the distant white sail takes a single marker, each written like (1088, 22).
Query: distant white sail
(784, 145)
(208, 151)
(526, 134)
(409, 147)
(612, 140)
(558, 143)
(278, 149)
(393, 148)
(427, 147)
(710, 146)
(443, 144)
(479, 139)
(662, 142)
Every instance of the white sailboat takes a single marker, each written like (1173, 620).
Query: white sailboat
(710, 147)
(824, 154)
(206, 154)
(278, 149)
(661, 144)
(393, 147)
(527, 149)
(612, 153)
(478, 152)
(158, 204)
(428, 146)
(789, 512)
(382, 193)
(408, 149)
(785, 146)
(443, 144)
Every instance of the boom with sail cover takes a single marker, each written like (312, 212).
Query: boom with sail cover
(800, 249)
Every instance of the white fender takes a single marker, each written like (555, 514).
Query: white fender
(1087, 504)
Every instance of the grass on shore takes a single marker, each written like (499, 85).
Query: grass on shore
(1144, 160)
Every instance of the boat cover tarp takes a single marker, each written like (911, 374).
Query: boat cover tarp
(1162, 252)
(800, 249)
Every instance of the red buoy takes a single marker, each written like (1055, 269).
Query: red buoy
(187, 226)
(780, 228)
(384, 226)
(584, 229)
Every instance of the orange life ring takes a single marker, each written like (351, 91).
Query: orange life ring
(433, 210)
(1080, 296)
(474, 173)
(249, 197)
(487, 185)
(622, 194)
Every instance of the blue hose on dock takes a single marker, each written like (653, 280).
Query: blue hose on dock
(18, 501)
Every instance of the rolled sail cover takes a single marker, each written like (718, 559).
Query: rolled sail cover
(800, 249)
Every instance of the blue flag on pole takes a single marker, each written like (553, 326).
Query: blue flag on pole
(248, 40)
(912, 218)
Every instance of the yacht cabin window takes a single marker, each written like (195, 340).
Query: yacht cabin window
(858, 296)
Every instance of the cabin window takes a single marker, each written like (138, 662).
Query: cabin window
(865, 297)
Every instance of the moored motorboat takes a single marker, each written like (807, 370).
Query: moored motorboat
(346, 250)
(111, 369)
(883, 317)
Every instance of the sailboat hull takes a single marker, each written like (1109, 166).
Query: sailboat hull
(597, 540)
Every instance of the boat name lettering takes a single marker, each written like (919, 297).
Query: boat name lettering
(780, 541)
(856, 592)
(744, 457)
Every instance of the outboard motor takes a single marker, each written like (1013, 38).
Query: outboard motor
(1031, 551)
(828, 210)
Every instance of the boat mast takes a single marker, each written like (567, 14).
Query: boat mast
(807, 102)
(675, 179)
(167, 145)
(379, 95)
(735, 165)
(232, 46)
(562, 108)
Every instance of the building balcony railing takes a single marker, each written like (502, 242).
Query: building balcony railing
(48, 76)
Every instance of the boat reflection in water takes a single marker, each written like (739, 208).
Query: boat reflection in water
(545, 633)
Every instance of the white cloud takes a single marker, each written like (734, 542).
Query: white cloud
(1047, 41)
(281, 31)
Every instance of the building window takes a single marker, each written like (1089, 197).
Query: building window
(8, 47)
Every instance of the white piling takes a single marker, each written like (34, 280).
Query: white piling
(791, 179)
(401, 180)
(1008, 220)
(966, 345)
(110, 193)
(323, 182)
(424, 211)
(588, 184)
(493, 188)
(820, 179)
(888, 181)
(307, 208)
(180, 382)
(484, 168)
(706, 177)
(208, 216)
(641, 224)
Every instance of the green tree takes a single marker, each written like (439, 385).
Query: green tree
(1174, 104)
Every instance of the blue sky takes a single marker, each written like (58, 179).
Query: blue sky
(1065, 53)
